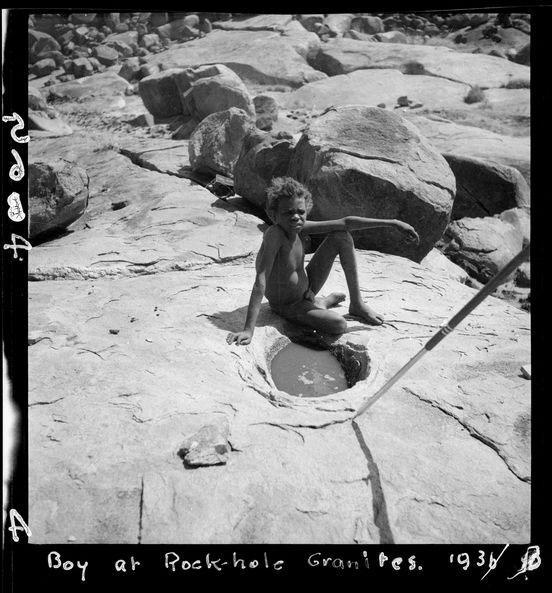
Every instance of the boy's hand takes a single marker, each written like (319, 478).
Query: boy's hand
(241, 338)
(408, 230)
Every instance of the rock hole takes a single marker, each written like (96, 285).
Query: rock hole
(313, 369)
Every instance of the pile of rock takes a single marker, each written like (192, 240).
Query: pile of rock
(187, 96)
(352, 161)
(58, 196)
(490, 218)
(198, 92)
(400, 27)
(350, 25)
(84, 43)
(43, 118)
(361, 161)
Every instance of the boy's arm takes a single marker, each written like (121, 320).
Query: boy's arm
(357, 223)
(265, 261)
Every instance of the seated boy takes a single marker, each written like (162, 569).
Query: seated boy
(281, 275)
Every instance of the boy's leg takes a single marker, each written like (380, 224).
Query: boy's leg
(308, 313)
(320, 265)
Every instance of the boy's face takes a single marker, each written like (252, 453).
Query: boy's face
(291, 214)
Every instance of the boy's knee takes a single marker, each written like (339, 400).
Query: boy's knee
(337, 325)
(341, 237)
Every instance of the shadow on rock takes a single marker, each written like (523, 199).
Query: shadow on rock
(237, 204)
(233, 321)
(50, 235)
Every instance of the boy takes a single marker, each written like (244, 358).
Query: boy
(281, 274)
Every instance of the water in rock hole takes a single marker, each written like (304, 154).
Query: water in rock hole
(307, 372)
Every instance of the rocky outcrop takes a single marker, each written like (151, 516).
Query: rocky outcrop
(259, 22)
(158, 269)
(520, 219)
(58, 195)
(471, 142)
(217, 141)
(392, 37)
(482, 246)
(82, 67)
(440, 264)
(305, 43)
(369, 162)
(106, 55)
(262, 158)
(339, 24)
(105, 84)
(210, 94)
(143, 201)
(367, 24)
(510, 102)
(43, 119)
(523, 56)
(194, 91)
(341, 56)
(179, 29)
(130, 70)
(484, 188)
(40, 42)
(311, 21)
(266, 111)
(174, 252)
(43, 67)
(160, 93)
(259, 57)
(378, 87)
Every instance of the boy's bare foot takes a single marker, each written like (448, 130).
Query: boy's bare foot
(366, 314)
(332, 300)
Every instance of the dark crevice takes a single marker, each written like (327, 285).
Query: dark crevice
(183, 173)
(141, 514)
(379, 506)
(471, 196)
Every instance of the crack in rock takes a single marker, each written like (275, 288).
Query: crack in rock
(46, 403)
(76, 273)
(141, 511)
(33, 341)
(379, 506)
(475, 434)
(368, 157)
(184, 172)
(472, 196)
(316, 426)
(285, 427)
(310, 512)
(429, 73)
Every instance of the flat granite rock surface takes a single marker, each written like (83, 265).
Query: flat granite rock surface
(340, 56)
(263, 57)
(146, 426)
(128, 315)
(376, 86)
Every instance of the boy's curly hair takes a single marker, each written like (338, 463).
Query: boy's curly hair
(285, 187)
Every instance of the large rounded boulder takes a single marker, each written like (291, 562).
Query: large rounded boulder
(197, 91)
(159, 93)
(263, 156)
(482, 246)
(485, 188)
(366, 161)
(216, 143)
(217, 92)
(58, 195)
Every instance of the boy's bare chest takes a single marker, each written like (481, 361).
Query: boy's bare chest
(291, 254)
